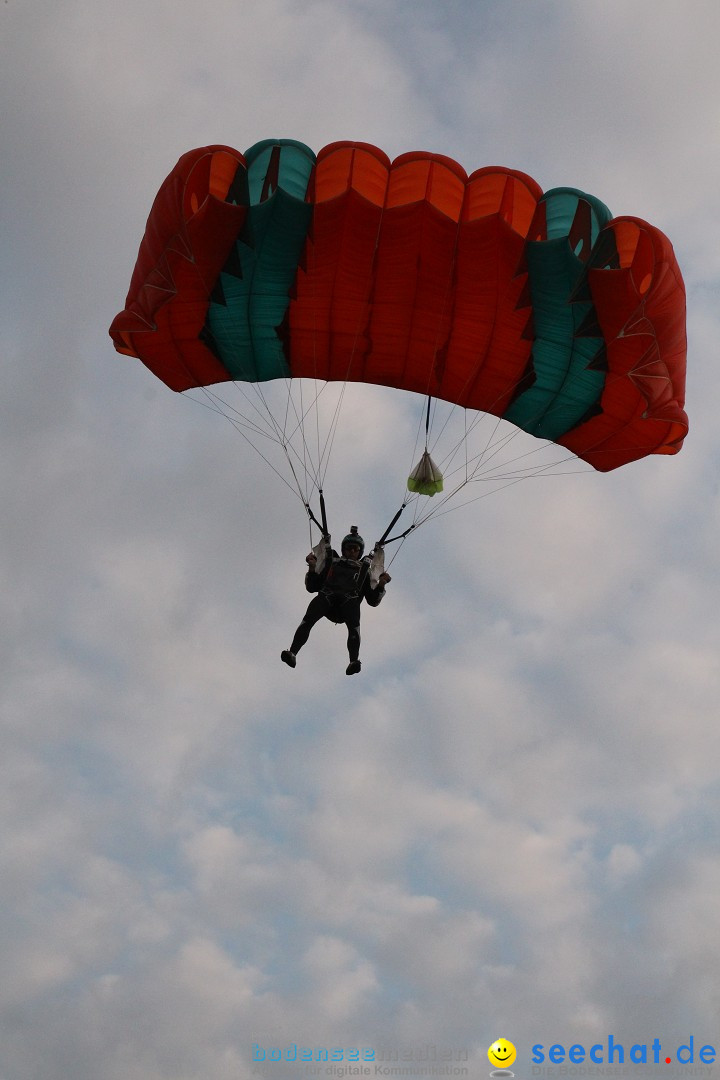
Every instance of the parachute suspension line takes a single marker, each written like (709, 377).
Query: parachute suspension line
(301, 417)
(317, 410)
(221, 406)
(285, 443)
(440, 511)
(307, 460)
(218, 405)
(272, 431)
(441, 507)
(396, 552)
(479, 468)
(238, 427)
(461, 444)
(332, 431)
(487, 452)
(313, 470)
(408, 496)
(285, 432)
(483, 470)
(267, 428)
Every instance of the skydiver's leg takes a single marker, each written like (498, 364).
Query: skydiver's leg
(351, 612)
(317, 608)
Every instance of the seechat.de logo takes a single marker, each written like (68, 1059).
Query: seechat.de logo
(615, 1053)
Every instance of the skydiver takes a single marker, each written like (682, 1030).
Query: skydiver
(342, 583)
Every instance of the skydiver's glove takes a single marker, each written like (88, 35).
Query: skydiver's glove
(384, 579)
(311, 560)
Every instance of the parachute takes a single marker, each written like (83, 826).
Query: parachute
(480, 291)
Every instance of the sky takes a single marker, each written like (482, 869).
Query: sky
(507, 824)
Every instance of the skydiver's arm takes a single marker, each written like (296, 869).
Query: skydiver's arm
(314, 581)
(373, 596)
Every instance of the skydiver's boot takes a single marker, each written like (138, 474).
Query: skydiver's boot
(353, 667)
(289, 656)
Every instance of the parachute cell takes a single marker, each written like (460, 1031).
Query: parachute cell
(480, 290)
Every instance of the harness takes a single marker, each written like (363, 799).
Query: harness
(344, 581)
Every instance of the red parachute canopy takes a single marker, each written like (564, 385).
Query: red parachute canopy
(480, 290)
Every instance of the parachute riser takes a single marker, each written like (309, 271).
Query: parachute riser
(384, 538)
(322, 525)
(323, 515)
(402, 535)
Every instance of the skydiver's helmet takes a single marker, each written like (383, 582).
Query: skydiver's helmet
(353, 537)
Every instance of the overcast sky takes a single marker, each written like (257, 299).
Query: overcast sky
(507, 825)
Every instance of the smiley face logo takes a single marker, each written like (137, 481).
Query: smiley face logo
(502, 1053)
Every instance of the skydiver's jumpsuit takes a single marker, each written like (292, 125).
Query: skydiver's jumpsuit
(341, 585)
